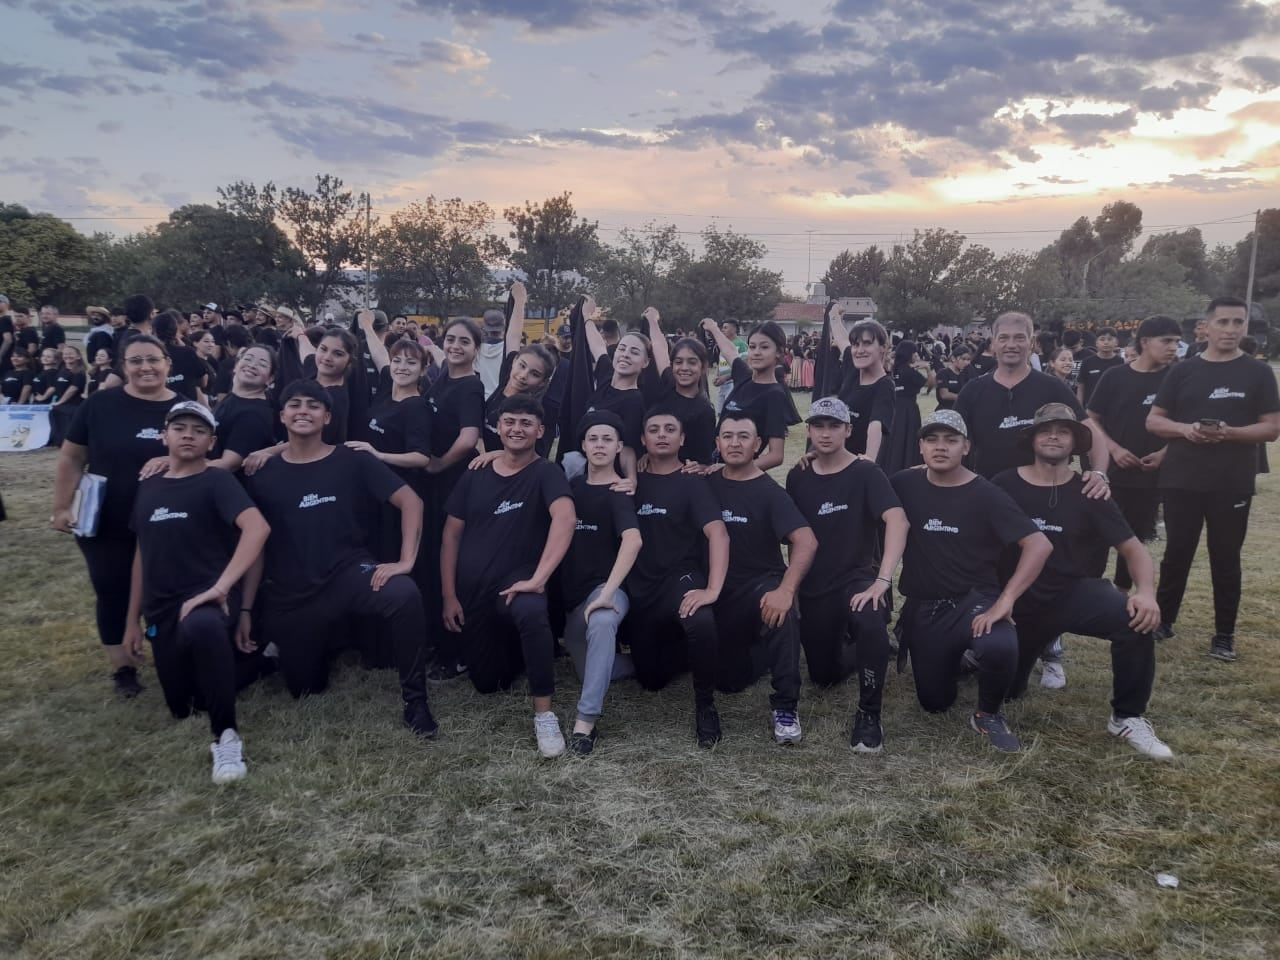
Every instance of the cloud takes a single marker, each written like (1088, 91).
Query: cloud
(1087, 129)
(1060, 181)
(448, 56)
(1266, 69)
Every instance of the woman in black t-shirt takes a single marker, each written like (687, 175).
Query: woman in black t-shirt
(247, 418)
(332, 358)
(113, 434)
(682, 371)
(865, 386)
(758, 392)
(525, 370)
(69, 388)
(187, 375)
(617, 387)
(207, 352)
(910, 376)
(101, 370)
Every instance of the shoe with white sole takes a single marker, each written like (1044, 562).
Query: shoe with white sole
(1053, 677)
(786, 727)
(1137, 732)
(228, 758)
(546, 728)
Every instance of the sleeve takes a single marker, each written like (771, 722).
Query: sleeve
(1268, 397)
(249, 434)
(1109, 522)
(783, 513)
(603, 371)
(912, 381)
(504, 372)
(879, 492)
(230, 498)
(79, 430)
(456, 505)
(624, 512)
(1167, 395)
(967, 398)
(739, 372)
(882, 403)
(417, 427)
(1103, 397)
(703, 506)
(379, 480)
(470, 402)
(1007, 521)
(554, 483)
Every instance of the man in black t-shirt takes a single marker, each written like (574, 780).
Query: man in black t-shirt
(844, 604)
(672, 624)
(319, 500)
(1064, 598)
(198, 534)
(507, 528)
(6, 335)
(951, 377)
(960, 525)
(756, 616)
(1119, 406)
(1095, 365)
(1214, 409)
(51, 333)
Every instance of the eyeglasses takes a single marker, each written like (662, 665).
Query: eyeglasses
(145, 361)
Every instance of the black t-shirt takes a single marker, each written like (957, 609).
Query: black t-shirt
(671, 511)
(64, 381)
(627, 404)
(758, 515)
(868, 403)
(1238, 392)
(122, 433)
(908, 382)
(28, 341)
(99, 338)
(221, 384)
(6, 326)
(603, 516)
(493, 404)
(1078, 528)
(245, 425)
(1121, 401)
(456, 403)
(697, 417)
(507, 521)
(186, 370)
(401, 427)
(996, 416)
(98, 376)
(318, 514)
(765, 403)
(845, 510)
(186, 530)
(14, 382)
(957, 535)
(951, 381)
(123, 338)
(42, 382)
(979, 365)
(1092, 368)
(54, 336)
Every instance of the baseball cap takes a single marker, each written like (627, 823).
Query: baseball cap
(211, 306)
(947, 420)
(3, 298)
(494, 322)
(564, 331)
(191, 408)
(828, 408)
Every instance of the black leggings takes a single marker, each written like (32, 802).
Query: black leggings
(110, 563)
(838, 641)
(1186, 513)
(196, 664)
(664, 644)
(1138, 505)
(937, 635)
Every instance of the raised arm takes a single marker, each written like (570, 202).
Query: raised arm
(515, 327)
(728, 349)
(595, 339)
(839, 333)
(377, 349)
(661, 350)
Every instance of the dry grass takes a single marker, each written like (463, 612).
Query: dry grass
(352, 840)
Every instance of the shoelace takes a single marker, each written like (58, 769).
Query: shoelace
(225, 754)
(784, 718)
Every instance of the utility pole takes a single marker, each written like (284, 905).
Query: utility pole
(368, 247)
(808, 273)
(1253, 266)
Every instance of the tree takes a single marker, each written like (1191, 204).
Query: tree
(1186, 247)
(438, 253)
(726, 281)
(1266, 282)
(555, 250)
(854, 274)
(1086, 250)
(43, 259)
(920, 286)
(638, 271)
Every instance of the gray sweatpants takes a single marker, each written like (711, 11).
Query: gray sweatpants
(593, 647)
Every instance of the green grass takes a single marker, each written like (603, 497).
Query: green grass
(352, 840)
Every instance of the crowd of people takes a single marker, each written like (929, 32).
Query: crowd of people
(290, 491)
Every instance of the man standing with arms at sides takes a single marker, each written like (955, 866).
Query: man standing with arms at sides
(507, 528)
(51, 332)
(1119, 406)
(951, 377)
(318, 568)
(756, 617)
(1214, 409)
(1095, 365)
(672, 622)
(1064, 598)
(724, 366)
(960, 525)
(843, 604)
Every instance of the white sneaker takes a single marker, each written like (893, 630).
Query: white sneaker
(1053, 676)
(547, 729)
(228, 759)
(1138, 733)
(786, 727)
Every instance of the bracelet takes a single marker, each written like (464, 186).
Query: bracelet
(1105, 478)
(884, 580)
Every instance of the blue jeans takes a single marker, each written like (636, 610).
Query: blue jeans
(593, 646)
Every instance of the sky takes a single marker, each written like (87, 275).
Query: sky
(813, 126)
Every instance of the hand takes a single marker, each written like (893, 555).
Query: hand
(602, 602)
(361, 445)
(836, 313)
(62, 520)
(806, 458)
(522, 586)
(695, 600)
(589, 308)
(1096, 486)
(721, 380)
(479, 463)
(134, 644)
(650, 315)
(385, 571)
(436, 465)
(212, 595)
(1195, 433)
(997, 612)
(873, 595)
(775, 605)
(518, 292)
(244, 633)
(255, 462)
(453, 616)
(626, 485)
(709, 325)
(1124, 458)
(365, 319)
(1144, 613)
(694, 467)
(153, 467)
(642, 465)
(1152, 461)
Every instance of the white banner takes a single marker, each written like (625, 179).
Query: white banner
(23, 428)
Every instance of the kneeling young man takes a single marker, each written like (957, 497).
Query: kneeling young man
(960, 524)
(843, 607)
(507, 528)
(756, 614)
(1063, 599)
(198, 534)
(318, 568)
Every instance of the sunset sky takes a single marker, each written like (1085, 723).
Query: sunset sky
(855, 120)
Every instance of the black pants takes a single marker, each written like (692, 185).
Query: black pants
(1186, 512)
(110, 563)
(307, 643)
(196, 664)
(1092, 608)
(838, 642)
(747, 648)
(500, 639)
(664, 644)
(1138, 505)
(938, 633)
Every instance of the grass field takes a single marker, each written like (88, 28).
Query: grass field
(352, 840)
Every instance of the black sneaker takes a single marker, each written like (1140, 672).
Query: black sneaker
(1223, 647)
(444, 671)
(867, 737)
(582, 743)
(707, 724)
(997, 732)
(418, 718)
(126, 682)
(1163, 632)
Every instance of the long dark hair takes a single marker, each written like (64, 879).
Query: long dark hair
(699, 350)
(902, 356)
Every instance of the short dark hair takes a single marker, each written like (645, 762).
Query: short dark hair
(1107, 332)
(138, 309)
(960, 350)
(609, 328)
(735, 415)
(116, 311)
(1217, 302)
(522, 403)
(303, 387)
(1070, 338)
(1156, 326)
(238, 337)
(663, 408)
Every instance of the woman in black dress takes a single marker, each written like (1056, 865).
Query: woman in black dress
(910, 376)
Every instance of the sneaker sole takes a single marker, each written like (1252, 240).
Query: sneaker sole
(230, 778)
(1223, 657)
(863, 748)
(787, 741)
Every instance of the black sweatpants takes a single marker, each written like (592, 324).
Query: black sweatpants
(1092, 608)
(1226, 517)
(747, 648)
(838, 641)
(110, 563)
(498, 640)
(1138, 506)
(308, 644)
(664, 644)
(937, 633)
(196, 664)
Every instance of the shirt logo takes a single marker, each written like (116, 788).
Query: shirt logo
(373, 425)
(147, 433)
(506, 506)
(731, 405)
(1046, 527)
(649, 510)
(162, 513)
(1151, 398)
(314, 500)
(728, 517)
(593, 528)
(829, 508)
(1222, 393)
(1013, 423)
(934, 525)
